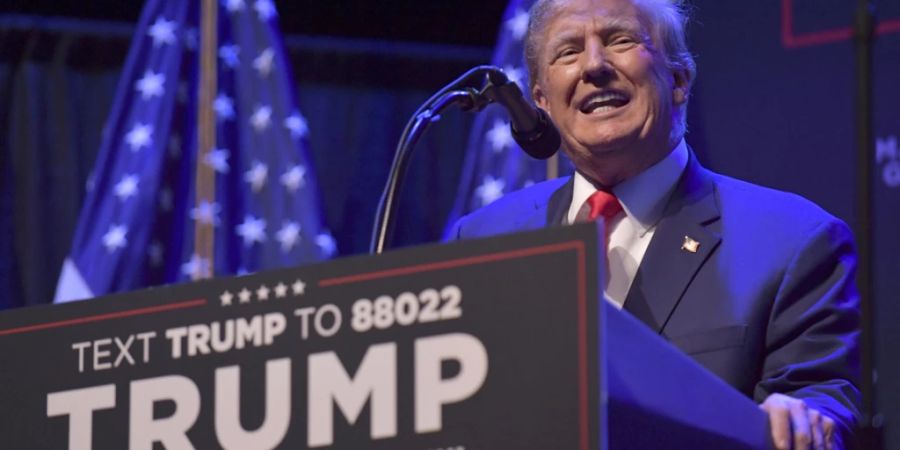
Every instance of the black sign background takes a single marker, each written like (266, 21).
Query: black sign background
(530, 299)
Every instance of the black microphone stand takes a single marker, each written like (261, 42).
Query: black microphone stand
(870, 436)
(460, 93)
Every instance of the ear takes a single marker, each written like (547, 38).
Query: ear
(681, 82)
(539, 98)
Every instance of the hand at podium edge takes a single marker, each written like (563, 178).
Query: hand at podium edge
(791, 417)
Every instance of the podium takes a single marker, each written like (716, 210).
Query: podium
(502, 343)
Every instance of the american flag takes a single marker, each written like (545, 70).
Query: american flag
(494, 164)
(136, 227)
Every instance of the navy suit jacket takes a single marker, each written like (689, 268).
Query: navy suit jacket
(767, 303)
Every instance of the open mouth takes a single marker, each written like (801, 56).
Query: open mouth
(603, 101)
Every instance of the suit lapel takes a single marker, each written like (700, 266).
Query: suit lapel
(559, 202)
(672, 259)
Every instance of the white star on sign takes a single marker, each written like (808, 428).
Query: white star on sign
(244, 296)
(265, 9)
(196, 268)
(288, 236)
(256, 176)
(326, 243)
(292, 179)
(140, 136)
(252, 230)
(263, 62)
(299, 287)
(151, 85)
(280, 290)
(126, 187)
(296, 123)
(261, 118)
(262, 293)
(500, 136)
(218, 160)
(234, 5)
(206, 213)
(226, 298)
(518, 24)
(162, 31)
(228, 53)
(115, 238)
(490, 189)
(224, 107)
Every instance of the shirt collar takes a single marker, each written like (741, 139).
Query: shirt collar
(643, 196)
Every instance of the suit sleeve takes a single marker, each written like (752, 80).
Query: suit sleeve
(812, 342)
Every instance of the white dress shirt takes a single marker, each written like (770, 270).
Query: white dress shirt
(643, 198)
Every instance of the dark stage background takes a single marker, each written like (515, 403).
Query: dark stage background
(773, 105)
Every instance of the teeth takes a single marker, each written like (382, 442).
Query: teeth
(601, 101)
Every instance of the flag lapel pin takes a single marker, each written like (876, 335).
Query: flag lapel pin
(690, 245)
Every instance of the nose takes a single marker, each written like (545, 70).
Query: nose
(596, 67)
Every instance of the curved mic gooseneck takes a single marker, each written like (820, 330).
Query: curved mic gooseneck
(531, 128)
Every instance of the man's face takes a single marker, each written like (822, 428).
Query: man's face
(606, 88)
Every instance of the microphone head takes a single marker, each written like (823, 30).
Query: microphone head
(541, 143)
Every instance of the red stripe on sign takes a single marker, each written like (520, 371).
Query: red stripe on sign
(480, 259)
(103, 317)
(830, 36)
(578, 246)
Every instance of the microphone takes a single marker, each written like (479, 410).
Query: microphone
(531, 127)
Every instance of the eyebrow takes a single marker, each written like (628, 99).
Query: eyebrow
(611, 25)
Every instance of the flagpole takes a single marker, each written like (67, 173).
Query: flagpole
(206, 136)
(553, 166)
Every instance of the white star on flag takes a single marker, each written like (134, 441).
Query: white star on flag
(262, 293)
(226, 298)
(244, 296)
(265, 9)
(155, 252)
(218, 160)
(165, 199)
(206, 213)
(162, 31)
(280, 290)
(151, 85)
(326, 243)
(500, 136)
(228, 53)
(174, 146)
(115, 238)
(190, 39)
(490, 189)
(296, 123)
(140, 136)
(299, 287)
(252, 230)
(126, 187)
(183, 92)
(288, 235)
(261, 118)
(292, 179)
(515, 75)
(263, 62)
(196, 268)
(224, 107)
(518, 24)
(234, 5)
(256, 176)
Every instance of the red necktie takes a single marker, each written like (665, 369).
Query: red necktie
(603, 204)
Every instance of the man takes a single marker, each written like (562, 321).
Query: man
(754, 284)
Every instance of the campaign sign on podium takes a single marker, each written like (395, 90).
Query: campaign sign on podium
(475, 345)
